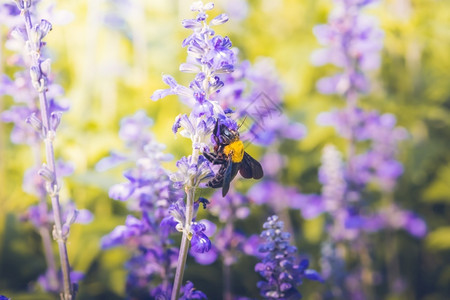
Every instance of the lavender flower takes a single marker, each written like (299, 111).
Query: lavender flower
(352, 41)
(209, 55)
(278, 197)
(37, 117)
(394, 217)
(279, 268)
(149, 192)
(236, 9)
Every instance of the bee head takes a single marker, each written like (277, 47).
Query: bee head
(226, 131)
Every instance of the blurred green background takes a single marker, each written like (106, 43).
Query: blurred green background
(109, 71)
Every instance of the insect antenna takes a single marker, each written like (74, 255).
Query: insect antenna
(242, 123)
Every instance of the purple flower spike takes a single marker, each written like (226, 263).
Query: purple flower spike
(36, 115)
(281, 274)
(353, 41)
(208, 55)
(148, 192)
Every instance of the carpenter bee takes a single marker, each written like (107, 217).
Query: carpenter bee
(229, 153)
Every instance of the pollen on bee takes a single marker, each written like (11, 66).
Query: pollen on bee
(236, 149)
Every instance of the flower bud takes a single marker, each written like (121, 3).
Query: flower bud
(20, 4)
(55, 120)
(47, 174)
(220, 19)
(35, 74)
(46, 66)
(189, 68)
(34, 121)
(208, 6)
(44, 27)
(191, 24)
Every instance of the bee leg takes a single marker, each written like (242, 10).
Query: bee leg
(215, 184)
(210, 156)
(217, 181)
(214, 159)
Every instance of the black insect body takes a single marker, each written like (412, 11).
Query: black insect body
(229, 153)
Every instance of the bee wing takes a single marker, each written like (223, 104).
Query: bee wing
(227, 178)
(250, 167)
(230, 173)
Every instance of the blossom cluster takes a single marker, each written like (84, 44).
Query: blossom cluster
(222, 91)
(162, 204)
(282, 273)
(149, 193)
(36, 115)
(352, 41)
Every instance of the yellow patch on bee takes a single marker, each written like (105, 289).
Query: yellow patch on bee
(236, 149)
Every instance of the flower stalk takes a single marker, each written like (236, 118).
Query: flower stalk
(35, 33)
(185, 242)
(209, 55)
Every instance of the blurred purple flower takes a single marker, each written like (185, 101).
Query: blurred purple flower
(236, 9)
(351, 41)
(255, 92)
(9, 15)
(273, 163)
(393, 217)
(227, 243)
(232, 206)
(22, 132)
(251, 246)
(379, 163)
(275, 195)
(190, 293)
(134, 130)
(148, 191)
(128, 234)
(311, 205)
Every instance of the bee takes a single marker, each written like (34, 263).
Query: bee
(229, 153)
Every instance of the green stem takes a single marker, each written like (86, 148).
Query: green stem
(185, 242)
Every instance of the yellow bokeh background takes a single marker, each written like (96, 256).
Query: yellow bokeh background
(109, 72)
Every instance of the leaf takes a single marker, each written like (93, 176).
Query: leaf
(439, 239)
(439, 190)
